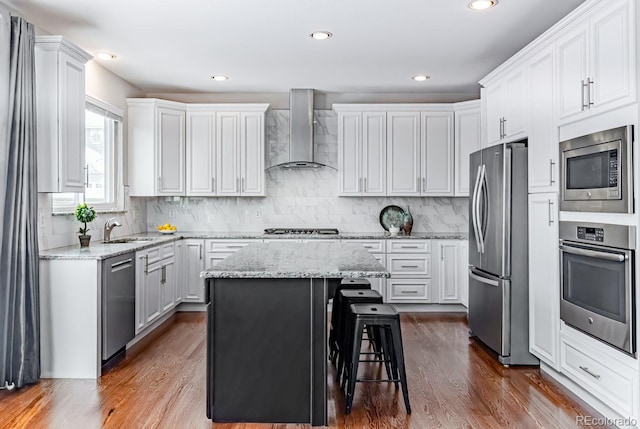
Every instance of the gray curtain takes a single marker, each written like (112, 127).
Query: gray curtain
(19, 303)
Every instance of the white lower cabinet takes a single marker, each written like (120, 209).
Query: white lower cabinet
(193, 265)
(544, 278)
(409, 262)
(450, 271)
(180, 274)
(155, 284)
(601, 370)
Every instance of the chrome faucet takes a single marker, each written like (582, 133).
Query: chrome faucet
(108, 226)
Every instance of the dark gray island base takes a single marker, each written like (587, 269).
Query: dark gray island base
(267, 329)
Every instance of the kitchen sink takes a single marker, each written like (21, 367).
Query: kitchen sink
(130, 240)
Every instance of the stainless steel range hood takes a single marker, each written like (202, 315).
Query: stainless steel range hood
(301, 130)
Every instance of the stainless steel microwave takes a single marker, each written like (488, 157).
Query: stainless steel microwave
(596, 172)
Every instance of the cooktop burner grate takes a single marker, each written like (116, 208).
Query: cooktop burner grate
(302, 231)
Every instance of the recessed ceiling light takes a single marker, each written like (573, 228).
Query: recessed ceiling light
(104, 56)
(219, 77)
(320, 35)
(421, 77)
(482, 4)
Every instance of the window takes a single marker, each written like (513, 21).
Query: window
(103, 161)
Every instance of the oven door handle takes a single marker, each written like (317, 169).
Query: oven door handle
(594, 253)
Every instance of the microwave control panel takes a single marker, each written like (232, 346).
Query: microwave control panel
(613, 168)
(591, 234)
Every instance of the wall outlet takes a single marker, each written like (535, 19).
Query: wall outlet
(258, 213)
(172, 213)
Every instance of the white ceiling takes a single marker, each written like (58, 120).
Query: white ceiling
(263, 46)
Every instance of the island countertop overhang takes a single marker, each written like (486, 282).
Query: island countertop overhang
(298, 260)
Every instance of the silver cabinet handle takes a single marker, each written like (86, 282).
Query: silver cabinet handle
(551, 164)
(585, 369)
(146, 264)
(159, 182)
(244, 188)
(238, 183)
(406, 292)
(550, 213)
(200, 246)
(86, 176)
(408, 266)
(589, 92)
(365, 184)
(583, 85)
(424, 184)
(230, 246)
(418, 184)
(409, 247)
(213, 184)
(360, 184)
(504, 127)
(442, 252)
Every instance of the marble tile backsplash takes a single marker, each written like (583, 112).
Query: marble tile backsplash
(303, 198)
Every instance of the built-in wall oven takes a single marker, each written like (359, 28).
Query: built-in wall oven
(597, 281)
(596, 172)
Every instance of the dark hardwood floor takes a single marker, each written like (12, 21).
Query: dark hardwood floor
(453, 383)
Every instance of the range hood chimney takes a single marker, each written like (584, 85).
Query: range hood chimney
(301, 130)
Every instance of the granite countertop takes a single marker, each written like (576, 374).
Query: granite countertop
(100, 250)
(298, 260)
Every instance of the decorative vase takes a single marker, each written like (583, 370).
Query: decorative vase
(407, 222)
(84, 240)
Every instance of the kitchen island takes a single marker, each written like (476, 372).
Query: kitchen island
(267, 329)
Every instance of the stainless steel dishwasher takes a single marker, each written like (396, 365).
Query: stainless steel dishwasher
(118, 303)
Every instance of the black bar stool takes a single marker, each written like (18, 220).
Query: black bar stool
(358, 284)
(385, 317)
(347, 298)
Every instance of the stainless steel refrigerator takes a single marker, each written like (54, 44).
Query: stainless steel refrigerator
(498, 252)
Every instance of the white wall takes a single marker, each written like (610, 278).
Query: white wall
(62, 230)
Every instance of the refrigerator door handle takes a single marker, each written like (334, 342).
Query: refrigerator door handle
(483, 279)
(482, 218)
(474, 209)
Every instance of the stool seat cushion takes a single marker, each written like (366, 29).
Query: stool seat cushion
(355, 281)
(360, 293)
(373, 310)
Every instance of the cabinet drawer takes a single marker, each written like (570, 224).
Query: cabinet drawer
(409, 246)
(213, 259)
(405, 290)
(373, 246)
(168, 250)
(226, 246)
(409, 265)
(154, 254)
(611, 382)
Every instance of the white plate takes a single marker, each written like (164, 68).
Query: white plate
(162, 231)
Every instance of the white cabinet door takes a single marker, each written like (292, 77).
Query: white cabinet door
(252, 176)
(612, 46)
(403, 153)
(141, 287)
(449, 283)
(168, 284)
(171, 150)
(201, 153)
(179, 274)
(463, 271)
(494, 107)
(374, 148)
(544, 278)
(436, 154)
(349, 153)
(228, 153)
(153, 292)
(468, 139)
(193, 266)
(515, 112)
(543, 130)
(60, 114)
(572, 72)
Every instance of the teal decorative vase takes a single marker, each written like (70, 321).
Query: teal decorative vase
(407, 222)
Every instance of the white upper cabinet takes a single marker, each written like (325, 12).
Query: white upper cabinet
(170, 151)
(403, 154)
(596, 62)
(211, 150)
(201, 153)
(156, 130)
(506, 107)
(543, 128)
(436, 153)
(60, 112)
(362, 153)
(467, 139)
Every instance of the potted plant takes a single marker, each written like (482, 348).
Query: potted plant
(84, 214)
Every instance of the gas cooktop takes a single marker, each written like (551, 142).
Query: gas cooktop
(302, 231)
